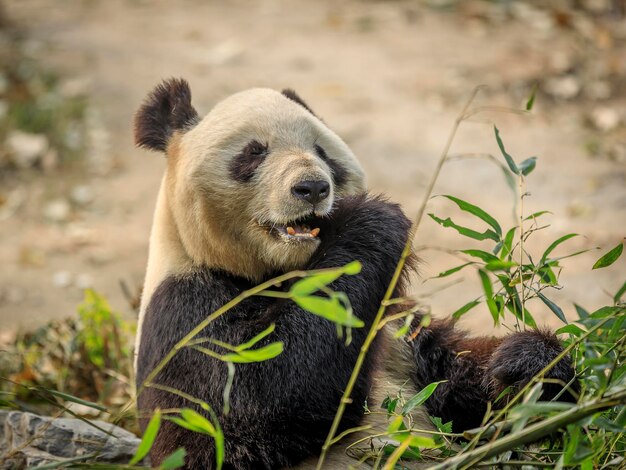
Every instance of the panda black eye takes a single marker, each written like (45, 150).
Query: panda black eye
(255, 149)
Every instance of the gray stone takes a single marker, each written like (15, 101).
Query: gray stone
(26, 149)
(28, 440)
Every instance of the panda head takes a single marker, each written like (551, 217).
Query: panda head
(246, 184)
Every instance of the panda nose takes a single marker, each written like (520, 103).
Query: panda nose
(311, 191)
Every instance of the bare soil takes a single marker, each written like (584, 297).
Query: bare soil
(389, 77)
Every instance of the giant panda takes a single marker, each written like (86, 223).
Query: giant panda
(258, 187)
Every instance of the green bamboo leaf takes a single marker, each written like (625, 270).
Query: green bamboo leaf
(509, 160)
(488, 289)
(507, 243)
(527, 318)
(476, 211)
(531, 99)
(536, 215)
(198, 421)
(468, 232)
(465, 308)
(528, 165)
(264, 353)
(570, 329)
(175, 460)
(499, 265)
(483, 255)
(420, 397)
(552, 306)
(554, 244)
(248, 344)
(609, 258)
(618, 295)
(72, 398)
(547, 276)
(451, 270)
(148, 438)
(331, 309)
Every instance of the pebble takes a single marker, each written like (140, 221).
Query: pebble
(83, 281)
(62, 279)
(26, 149)
(565, 88)
(604, 119)
(81, 195)
(57, 210)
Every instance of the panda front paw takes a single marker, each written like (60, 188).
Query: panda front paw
(521, 356)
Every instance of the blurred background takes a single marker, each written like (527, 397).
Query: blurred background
(76, 197)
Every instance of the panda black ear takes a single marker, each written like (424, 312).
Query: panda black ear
(166, 109)
(293, 96)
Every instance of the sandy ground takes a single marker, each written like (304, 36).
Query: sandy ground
(389, 77)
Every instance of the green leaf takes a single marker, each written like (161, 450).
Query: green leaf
(477, 211)
(451, 271)
(552, 306)
(531, 98)
(618, 295)
(255, 355)
(509, 160)
(468, 232)
(175, 460)
(528, 165)
(488, 289)
(72, 398)
(554, 244)
(570, 329)
(331, 309)
(536, 215)
(527, 318)
(465, 308)
(420, 397)
(507, 243)
(148, 438)
(499, 265)
(483, 255)
(609, 258)
(248, 344)
(194, 422)
(198, 421)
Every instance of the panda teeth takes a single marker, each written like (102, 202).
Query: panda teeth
(302, 231)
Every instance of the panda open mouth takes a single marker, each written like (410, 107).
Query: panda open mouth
(304, 229)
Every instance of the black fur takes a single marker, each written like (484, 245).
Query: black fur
(243, 166)
(293, 96)
(478, 369)
(166, 109)
(340, 174)
(281, 409)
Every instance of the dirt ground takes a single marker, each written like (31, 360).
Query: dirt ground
(389, 77)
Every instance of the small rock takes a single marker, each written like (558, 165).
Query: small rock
(26, 149)
(57, 210)
(42, 439)
(81, 195)
(604, 119)
(62, 279)
(564, 88)
(83, 281)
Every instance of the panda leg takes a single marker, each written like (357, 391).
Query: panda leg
(478, 369)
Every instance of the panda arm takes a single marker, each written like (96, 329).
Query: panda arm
(478, 369)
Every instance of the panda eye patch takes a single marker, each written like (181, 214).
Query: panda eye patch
(244, 164)
(255, 149)
(340, 174)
